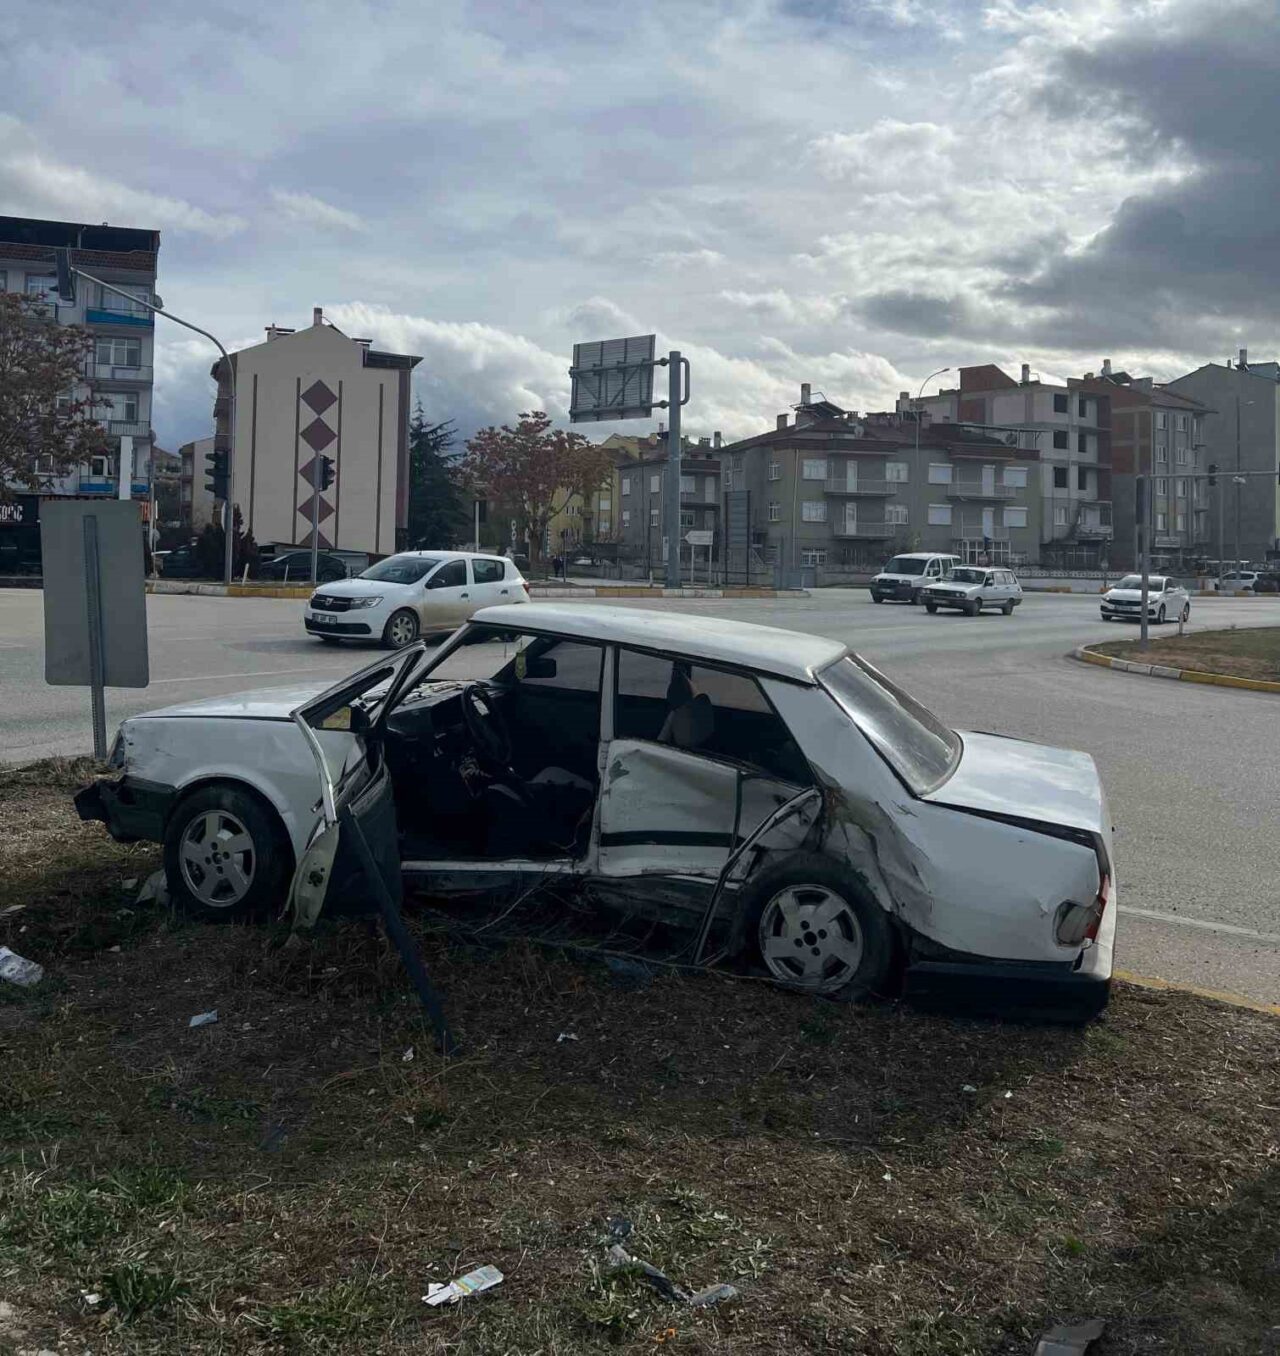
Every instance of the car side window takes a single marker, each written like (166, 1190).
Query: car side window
(452, 575)
(718, 712)
(487, 571)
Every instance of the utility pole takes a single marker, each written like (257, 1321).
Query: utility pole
(920, 397)
(1142, 488)
(672, 514)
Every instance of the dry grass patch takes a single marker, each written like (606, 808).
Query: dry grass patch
(1252, 652)
(289, 1180)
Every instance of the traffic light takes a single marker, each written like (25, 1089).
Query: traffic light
(216, 470)
(326, 472)
(1213, 475)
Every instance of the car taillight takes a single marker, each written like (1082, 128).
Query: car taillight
(1075, 924)
(525, 586)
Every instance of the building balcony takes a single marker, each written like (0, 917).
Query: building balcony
(111, 372)
(865, 531)
(842, 485)
(696, 499)
(131, 319)
(965, 489)
(132, 428)
(1169, 539)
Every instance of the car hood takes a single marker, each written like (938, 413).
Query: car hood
(1011, 777)
(361, 588)
(898, 578)
(945, 587)
(268, 703)
(1129, 595)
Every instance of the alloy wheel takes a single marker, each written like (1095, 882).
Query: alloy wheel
(401, 630)
(810, 937)
(217, 858)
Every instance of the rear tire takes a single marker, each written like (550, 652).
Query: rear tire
(1161, 617)
(816, 928)
(1007, 609)
(931, 608)
(915, 597)
(227, 857)
(401, 629)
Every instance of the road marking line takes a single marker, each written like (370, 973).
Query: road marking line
(1234, 999)
(215, 677)
(1157, 917)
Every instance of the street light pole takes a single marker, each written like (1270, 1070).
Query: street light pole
(229, 510)
(919, 396)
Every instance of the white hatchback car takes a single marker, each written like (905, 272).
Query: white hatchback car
(411, 594)
(767, 791)
(1167, 600)
(970, 588)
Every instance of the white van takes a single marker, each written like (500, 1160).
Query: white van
(906, 577)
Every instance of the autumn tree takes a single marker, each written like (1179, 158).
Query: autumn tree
(46, 430)
(533, 470)
(437, 516)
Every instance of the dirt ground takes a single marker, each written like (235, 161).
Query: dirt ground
(1249, 653)
(870, 1179)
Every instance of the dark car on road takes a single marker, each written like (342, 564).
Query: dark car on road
(295, 566)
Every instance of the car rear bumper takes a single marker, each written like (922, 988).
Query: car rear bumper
(322, 626)
(131, 808)
(1048, 993)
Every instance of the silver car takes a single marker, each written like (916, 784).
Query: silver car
(970, 588)
(1167, 600)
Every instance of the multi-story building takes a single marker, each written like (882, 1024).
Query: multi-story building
(837, 493)
(643, 532)
(1069, 428)
(312, 393)
(1241, 432)
(121, 365)
(1157, 432)
(196, 502)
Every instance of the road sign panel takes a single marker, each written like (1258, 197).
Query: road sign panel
(612, 379)
(700, 537)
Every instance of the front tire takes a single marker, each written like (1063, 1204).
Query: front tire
(1186, 613)
(1161, 617)
(816, 928)
(931, 608)
(915, 597)
(974, 608)
(226, 855)
(876, 598)
(1007, 609)
(401, 629)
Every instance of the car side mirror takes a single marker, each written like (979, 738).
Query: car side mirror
(359, 720)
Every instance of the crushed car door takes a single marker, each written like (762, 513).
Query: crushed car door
(343, 730)
(697, 760)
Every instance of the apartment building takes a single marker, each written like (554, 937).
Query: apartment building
(1241, 432)
(1070, 429)
(837, 493)
(196, 504)
(121, 364)
(1157, 432)
(306, 394)
(643, 532)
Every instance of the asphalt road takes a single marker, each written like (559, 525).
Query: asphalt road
(1192, 772)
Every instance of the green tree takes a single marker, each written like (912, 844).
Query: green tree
(437, 514)
(210, 546)
(46, 427)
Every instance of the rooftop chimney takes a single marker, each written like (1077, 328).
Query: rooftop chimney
(317, 315)
(1244, 358)
(1026, 373)
(716, 440)
(804, 392)
(782, 421)
(1106, 367)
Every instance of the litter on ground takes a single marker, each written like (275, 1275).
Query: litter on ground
(482, 1278)
(17, 970)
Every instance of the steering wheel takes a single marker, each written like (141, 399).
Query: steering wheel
(486, 726)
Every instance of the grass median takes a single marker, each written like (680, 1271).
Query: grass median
(871, 1179)
(1249, 652)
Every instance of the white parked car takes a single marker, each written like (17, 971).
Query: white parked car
(770, 791)
(1240, 581)
(411, 594)
(905, 577)
(1167, 600)
(970, 588)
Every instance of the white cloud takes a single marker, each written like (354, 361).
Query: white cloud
(685, 259)
(307, 210)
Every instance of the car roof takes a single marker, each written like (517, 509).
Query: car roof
(923, 555)
(767, 649)
(455, 555)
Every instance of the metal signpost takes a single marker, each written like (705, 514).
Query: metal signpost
(95, 605)
(613, 379)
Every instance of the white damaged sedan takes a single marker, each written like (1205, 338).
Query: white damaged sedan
(768, 790)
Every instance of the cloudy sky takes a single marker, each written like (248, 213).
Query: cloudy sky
(849, 192)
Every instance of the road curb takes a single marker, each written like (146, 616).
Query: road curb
(1234, 1000)
(192, 586)
(1106, 661)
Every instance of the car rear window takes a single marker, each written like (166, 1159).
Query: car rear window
(488, 571)
(908, 736)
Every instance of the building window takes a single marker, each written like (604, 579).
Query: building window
(686, 518)
(45, 465)
(1015, 517)
(99, 468)
(775, 471)
(122, 407)
(604, 525)
(1060, 516)
(1060, 404)
(775, 511)
(1082, 478)
(940, 514)
(626, 517)
(1082, 444)
(626, 484)
(813, 468)
(653, 517)
(939, 474)
(895, 472)
(655, 484)
(1182, 455)
(1061, 439)
(1082, 409)
(38, 285)
(1015, 477)
(1162, 452)
(1162, 485)
(1180, 522)
(813, 510)
(1180, 423)
(896, 514)
(688, 485)
(118, 352)
(604, 504)
(108, 299)
(1181, 488)
(1162, 419)
(1059, 477)
(813, 558)
(1162, 522)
